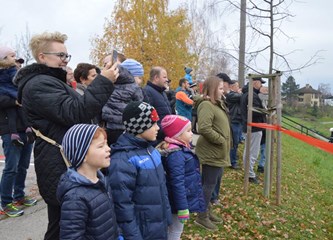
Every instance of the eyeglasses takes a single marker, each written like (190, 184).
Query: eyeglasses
(63, 56)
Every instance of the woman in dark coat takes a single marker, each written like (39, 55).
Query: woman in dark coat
(53, 107)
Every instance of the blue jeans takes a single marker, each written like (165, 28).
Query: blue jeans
(262, 159)
(236, 135)
(15, 171)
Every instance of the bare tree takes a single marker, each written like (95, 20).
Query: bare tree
(22, 46)
(205, 43)
(265, 26)
(325, 89)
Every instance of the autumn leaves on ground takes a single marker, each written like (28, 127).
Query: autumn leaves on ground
(306, 210)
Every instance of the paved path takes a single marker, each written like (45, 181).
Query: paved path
(32, 225)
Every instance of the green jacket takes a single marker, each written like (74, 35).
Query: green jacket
(214, 143)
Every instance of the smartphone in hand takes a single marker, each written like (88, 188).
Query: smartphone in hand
(114, 56)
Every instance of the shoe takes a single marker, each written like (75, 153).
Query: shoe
(204, 221)
(235, 167)
(216, 202)
(260, 169)
(253, 180)
(213, 217)
(26, 201)
(16, 140)
(11, 211)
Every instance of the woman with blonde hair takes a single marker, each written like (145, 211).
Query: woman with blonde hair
(53, 107)
(213, 145)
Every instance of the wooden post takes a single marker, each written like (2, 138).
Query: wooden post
(278, 152)
(268, 163)
(273, 133)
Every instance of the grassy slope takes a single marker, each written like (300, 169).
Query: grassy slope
(317, 125)
(306, 210)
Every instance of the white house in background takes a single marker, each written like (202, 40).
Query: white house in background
(308, 96)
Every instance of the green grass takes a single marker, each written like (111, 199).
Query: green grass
(316, 125)
(306, 209)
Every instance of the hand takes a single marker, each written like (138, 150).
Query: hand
(263, 90)
(111, 72)
(18, 104)
(183, 215)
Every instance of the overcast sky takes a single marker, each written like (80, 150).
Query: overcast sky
(312, 29)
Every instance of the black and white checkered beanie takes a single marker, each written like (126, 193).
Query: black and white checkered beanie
(138, 117)
(76, 143)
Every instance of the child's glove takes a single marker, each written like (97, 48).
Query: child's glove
(183, 215)
(120, 237)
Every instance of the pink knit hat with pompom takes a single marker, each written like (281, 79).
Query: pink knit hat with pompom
(5, 51)
(174, 125)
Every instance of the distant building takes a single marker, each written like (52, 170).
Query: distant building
(309, 96)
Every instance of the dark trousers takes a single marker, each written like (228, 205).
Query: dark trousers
(210, 176)
(216, 192)
(53, 228)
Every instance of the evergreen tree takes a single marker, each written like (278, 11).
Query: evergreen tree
(288, 90)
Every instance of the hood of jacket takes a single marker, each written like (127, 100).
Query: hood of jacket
(30, 71)
(197, 100)
(72, 179)
(125, 77)
(128, 142)
(5, 64)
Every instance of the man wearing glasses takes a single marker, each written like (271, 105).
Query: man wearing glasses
(53, 107)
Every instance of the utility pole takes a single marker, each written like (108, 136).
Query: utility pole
(242, 38)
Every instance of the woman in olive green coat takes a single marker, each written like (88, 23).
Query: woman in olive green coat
(213, 145)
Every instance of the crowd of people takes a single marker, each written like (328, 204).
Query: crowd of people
(127, 167)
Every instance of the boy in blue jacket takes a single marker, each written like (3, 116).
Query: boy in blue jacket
(136, 176)
(87, 209)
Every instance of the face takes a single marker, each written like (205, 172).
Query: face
(234, 87)
(162, 79)
(70, 75)
(150, 134)
(186, 85)
(187, 135)
(91, 76)
(226, 87)
(138, 80)
(51, 57)
(257, 84)
(220, 90)
(11, 58)
(98, 155)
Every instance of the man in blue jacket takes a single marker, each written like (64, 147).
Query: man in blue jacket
(155, 92)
